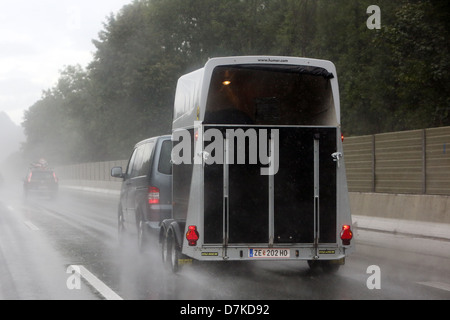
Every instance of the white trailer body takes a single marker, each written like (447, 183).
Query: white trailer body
(258, 163)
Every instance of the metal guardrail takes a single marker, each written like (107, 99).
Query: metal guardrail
(410, 162)
(407, 162)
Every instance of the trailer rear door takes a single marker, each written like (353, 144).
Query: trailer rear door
(305, 186)
(296, 205)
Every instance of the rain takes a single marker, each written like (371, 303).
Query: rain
(229, 157)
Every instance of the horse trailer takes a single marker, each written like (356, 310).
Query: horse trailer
(258, 164)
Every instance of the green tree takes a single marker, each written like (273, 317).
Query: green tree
(391, 79)
(419, 43)
(58, 126)
(45, 135)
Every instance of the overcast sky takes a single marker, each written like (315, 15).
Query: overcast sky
(38, 38)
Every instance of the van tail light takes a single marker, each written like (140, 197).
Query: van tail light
(153, 195)
(192, 236)
(346, 235)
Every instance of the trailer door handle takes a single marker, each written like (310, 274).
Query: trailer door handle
(205, 156)
(337, 157)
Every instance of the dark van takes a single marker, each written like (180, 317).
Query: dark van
(146, 194)
(41, 181)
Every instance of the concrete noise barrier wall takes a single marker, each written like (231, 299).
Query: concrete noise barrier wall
(408, 162)
(429, 208)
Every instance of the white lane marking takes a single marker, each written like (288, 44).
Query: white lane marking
(95, 282)
(30, 225)
(436, 284)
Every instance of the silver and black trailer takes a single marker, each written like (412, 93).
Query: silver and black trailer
(258, 164)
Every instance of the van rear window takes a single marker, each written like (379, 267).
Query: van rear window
(164, 165)
(139, 163)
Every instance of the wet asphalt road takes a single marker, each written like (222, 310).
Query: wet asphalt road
(41, 238)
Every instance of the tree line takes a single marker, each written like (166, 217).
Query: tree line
(393, 78)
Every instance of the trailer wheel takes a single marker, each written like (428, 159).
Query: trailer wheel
(173, 252)
(164, 248)
(314, 265)
(328, 266)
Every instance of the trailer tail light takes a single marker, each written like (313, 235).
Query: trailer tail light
(346, 235)
(153, 195)
(192, 236)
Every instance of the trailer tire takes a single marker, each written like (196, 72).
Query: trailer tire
(314, 265)
(173, 252)
(327, 266)
(164, 248)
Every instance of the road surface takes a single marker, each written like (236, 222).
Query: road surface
(67, 248)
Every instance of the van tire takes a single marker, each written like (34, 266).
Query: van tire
(120, 227)
(142, 237)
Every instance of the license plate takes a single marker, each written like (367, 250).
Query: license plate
(269, 253)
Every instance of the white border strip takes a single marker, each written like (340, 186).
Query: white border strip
(30, 225)
(102, 288)
(436, 284)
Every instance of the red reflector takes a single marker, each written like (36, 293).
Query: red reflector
(153, 195)
(192, 236)
(346, 235)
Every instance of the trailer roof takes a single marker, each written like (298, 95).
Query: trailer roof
(193, 88)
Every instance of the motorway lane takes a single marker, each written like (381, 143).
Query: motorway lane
(41, 237)
(30, 266)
